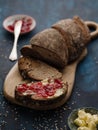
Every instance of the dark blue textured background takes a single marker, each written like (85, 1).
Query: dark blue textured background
(85, 92)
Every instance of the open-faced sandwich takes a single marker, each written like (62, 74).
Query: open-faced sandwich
(42, 94)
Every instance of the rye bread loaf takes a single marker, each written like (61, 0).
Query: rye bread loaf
(34, 69)
(60, 44)
(41, 95)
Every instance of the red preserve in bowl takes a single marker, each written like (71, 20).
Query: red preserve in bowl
(28, 23)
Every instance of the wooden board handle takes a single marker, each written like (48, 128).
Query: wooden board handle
(94, 25)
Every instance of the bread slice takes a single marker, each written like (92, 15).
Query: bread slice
(49, 46)
(78, 34)
(35, 69)
(76, 27)
(41, 94)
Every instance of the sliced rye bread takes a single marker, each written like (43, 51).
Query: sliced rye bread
(46, 94)
(35, 69)
(61, 44)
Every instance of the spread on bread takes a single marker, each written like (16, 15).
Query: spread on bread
(45, 88)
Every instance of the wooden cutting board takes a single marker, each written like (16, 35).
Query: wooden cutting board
(14, 78)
